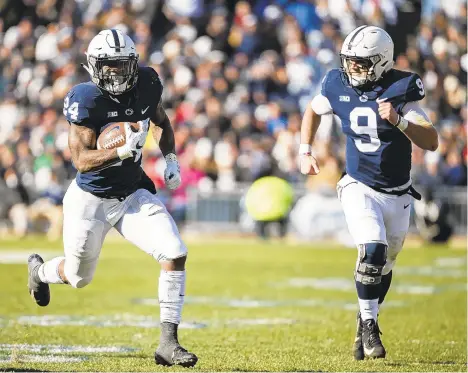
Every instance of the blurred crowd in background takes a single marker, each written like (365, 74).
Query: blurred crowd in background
(237, 75)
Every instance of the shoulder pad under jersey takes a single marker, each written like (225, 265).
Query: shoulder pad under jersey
(79, 101)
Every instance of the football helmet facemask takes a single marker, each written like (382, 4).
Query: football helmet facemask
(366, 54)
(112, 61)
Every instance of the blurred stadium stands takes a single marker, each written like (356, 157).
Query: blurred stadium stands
(237, 76)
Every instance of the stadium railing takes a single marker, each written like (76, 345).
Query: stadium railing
(222, 210)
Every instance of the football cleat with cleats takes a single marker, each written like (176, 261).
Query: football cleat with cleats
(174, 355)
(358, 349)
(38, 290)
(373, 347)
(170, 352)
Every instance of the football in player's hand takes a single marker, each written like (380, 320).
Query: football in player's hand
(113, 136)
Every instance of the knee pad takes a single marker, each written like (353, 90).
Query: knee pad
(75, 277)
(82, 247)
(171, 256)
(79, 283)
(174, 248)
(370, 263)
(79, 274)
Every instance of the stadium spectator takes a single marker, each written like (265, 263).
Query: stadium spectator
(432, 217)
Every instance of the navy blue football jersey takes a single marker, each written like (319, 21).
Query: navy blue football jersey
(88, 105)
(377, 153)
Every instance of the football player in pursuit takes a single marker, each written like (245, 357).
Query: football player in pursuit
(381, 118)
(112, 190)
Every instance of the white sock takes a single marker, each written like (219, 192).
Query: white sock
(49, 273)
(369, 308)
(171, 295)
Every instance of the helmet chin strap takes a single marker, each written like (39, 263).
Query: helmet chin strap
(356, 82)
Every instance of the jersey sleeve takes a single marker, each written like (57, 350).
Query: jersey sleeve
(415, 89)
(321, 105)
(154, 90)
(415, 114)
(324, 89)
(156, 85)
(76, 107)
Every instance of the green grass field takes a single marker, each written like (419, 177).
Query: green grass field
(250, 306)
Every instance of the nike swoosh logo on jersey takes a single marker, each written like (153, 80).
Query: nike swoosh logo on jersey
(144, 111)
(405, 206)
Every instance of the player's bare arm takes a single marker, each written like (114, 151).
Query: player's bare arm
(166, 142)
(162, 131)
(419, 130)
(319, 106)
(309, 127)
(82, 143)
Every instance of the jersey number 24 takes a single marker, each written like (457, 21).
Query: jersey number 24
(71, 109)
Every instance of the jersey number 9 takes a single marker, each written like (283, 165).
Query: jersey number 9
(420, 85)
(369, 130)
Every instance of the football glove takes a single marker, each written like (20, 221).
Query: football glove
(134, 142)
(172, 176)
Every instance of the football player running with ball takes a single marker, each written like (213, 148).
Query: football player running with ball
(380, 116)
(112, 190)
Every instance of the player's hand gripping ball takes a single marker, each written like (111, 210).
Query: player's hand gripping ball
(127, 137)
(114, 135)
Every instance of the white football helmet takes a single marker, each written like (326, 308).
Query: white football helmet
(370, 49)
(112, 61)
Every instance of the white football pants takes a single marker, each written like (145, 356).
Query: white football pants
(141, 218)
(375, 217)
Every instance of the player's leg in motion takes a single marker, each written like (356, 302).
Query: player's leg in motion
(366, 224)
(84, 230)
(148, 225)
(397, 220)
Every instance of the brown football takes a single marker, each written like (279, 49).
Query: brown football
(113, 135)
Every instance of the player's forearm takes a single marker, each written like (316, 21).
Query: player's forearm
(424, 136)
(414, 124)
(82, 143)
(92, 160)
(309, 126)
(166, 139)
